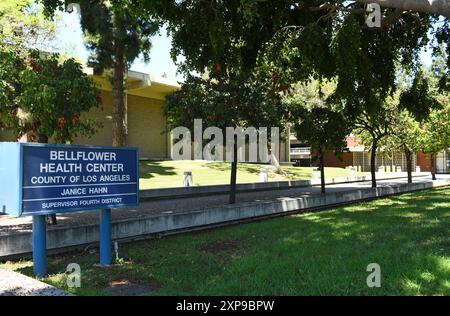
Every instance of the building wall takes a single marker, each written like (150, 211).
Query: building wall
(146, 123)
(146, 127)
(103, 115)
(424, 162)
(6, 136)
(331, 160)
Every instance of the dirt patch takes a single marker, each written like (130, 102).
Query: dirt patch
(126, 287)
(220, 246)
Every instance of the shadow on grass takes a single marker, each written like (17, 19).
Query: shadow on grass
(323, 253)
(150, 169)
(243, 167)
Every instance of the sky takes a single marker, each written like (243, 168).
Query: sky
(70, 37)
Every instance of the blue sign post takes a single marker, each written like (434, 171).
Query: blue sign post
(39, 245)
(38, 180)
(105, 237)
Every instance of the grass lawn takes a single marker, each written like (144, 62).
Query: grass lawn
(165, 174)
(317, 253)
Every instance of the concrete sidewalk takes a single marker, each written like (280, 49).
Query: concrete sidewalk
(183, 213)
(16, 284)
(186, 204)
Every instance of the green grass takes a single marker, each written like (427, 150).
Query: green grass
(165, 174)
(312, 254)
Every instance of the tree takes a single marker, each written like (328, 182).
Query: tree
(322, 39)
(405, 137)
(316, 123)
(23, 26)
(373, 127)
(41, 98)
(435, 135)
(226, 41)
(116, 34)
(424, 98)
(239, 103)
(45, 98)
(11, 67)
(324, 129)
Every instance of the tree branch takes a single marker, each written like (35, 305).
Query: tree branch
(439, 7)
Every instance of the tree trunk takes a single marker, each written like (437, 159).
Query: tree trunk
(427, 6)
(119, 117)
(322, 172)
(433, 166)
(42, 139)
(408, 156)
(233, 179)
(373, 160)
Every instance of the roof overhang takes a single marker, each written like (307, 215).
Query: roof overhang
(140, 84)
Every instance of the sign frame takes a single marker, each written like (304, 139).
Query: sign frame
(20, 180)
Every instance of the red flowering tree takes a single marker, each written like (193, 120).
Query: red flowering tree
(244, 101)
(43, 98)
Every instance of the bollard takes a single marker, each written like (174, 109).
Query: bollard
(316, 173)
(263, 175)
(352, 172)
(418, 169)
(187, 179)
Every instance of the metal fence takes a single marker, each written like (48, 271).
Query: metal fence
(391, 162)
(443, 162)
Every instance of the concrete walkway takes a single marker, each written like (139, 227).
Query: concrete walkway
(181, 205)
(16, 284)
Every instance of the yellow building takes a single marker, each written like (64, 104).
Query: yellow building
(147, 125)
(145, 98)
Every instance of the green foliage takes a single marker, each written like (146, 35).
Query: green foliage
(341, 47)
(225, 40)
(11, 67)
(406, 134)
(315, 122)
(116, 33)
(442, 54)
(297, 41)
(219, 37)
(46, 97)
(239, 102)
(435, 132)
(23, 26)
(110, 26)
(373, 127)
(417, 99)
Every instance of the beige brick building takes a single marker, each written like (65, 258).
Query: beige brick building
(145, 99)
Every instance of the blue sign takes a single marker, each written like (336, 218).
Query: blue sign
(56, 179)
